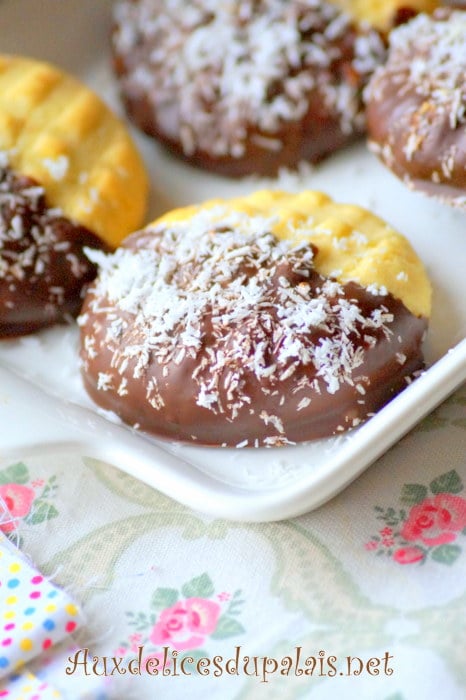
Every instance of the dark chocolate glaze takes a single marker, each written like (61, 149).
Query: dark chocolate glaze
(309, 137)
(43, 269)
(414, 134)
(275, 413)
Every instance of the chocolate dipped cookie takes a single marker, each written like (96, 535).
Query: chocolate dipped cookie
(248, 86)
(417, 106)
(70, 177)
(266, 320)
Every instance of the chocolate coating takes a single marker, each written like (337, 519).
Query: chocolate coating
(253, 87)
(262, 351)
(417, 106)
(403, 15)
(42, 265)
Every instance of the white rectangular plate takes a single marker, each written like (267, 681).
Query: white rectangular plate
(42, 403)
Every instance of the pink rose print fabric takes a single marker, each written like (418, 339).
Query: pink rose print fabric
(436, 520)
(18, 500)
(186, 624)
(408, 555)
(433, 526)
(184, 620)
(23, 500)
(34, 614)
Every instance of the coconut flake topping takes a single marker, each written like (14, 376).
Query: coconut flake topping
(221, 287)
(27, 235)
(211, 70)
(431, 53)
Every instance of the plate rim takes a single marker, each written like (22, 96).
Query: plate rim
(123, 448)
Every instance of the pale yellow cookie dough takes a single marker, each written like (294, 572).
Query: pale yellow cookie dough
(381, 13)
(353, 244)
(59, 132)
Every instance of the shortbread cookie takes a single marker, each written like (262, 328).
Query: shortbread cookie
(244, 87)
(417, 106)
(70, 177)
(63, 136)
(265, 320)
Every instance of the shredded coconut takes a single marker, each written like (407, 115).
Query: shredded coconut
(427, 58)
(57, 167)
(214, 69)
(27, 235)
(40, 258)
(210, 288)
(438, 70)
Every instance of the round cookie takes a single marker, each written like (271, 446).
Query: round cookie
(417, 106)
(265, 320)
(241, 88)
(70, 177)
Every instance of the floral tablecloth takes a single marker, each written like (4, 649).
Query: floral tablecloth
(363, 598)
